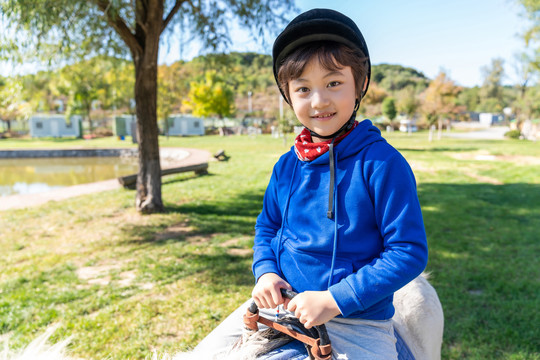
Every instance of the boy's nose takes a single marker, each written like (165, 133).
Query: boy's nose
(319, 100)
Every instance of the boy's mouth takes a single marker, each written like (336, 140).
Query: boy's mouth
(324, 116)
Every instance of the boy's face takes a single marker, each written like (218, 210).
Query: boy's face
(323, 100)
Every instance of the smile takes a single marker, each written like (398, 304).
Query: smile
(323, 116)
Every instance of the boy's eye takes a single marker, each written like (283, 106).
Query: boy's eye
(302, 89)
(333, 83)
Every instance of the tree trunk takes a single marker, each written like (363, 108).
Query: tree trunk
(90, 124)
(148, 199)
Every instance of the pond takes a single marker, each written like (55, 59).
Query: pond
(36, 175)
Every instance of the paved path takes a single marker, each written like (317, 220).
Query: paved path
(195, 156)
(492, 133)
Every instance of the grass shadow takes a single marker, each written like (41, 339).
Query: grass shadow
(234, 216)
(179, 178)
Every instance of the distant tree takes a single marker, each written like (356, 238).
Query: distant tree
(84, 85)
(532, 34)
(491, 92)
(371, 103)
(440, 101)
(389, 109)
(12, 105)
(396, 77)
(527, 73)
(119, 81)
(40, 90)
(173, 87)
(212, 96)
(65, 29)
(527, 105)
(469, 98)
(527, 65)
(407, 102)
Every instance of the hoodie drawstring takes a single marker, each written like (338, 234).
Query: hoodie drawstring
(330, 213)
(332, 194)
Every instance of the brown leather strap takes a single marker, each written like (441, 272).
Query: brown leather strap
(319, 352)
(294, 334)
(250, 320)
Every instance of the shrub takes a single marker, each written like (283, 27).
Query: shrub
(513, 134)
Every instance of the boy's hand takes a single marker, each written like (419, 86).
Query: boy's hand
(267, 294)
(314, 307)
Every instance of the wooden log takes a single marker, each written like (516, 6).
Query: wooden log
(130, 181)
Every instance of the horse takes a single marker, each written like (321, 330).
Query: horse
(418, 323)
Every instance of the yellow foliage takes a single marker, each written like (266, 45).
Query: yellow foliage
(440, 98)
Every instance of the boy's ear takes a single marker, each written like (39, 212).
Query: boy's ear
(365, 85)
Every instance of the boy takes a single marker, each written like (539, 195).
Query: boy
(341, 222)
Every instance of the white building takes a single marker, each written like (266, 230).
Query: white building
(123, 124)
(183, 125)
(408, 125)
(55, 126)
(488, 119)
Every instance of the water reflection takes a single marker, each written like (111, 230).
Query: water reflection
(29, 176)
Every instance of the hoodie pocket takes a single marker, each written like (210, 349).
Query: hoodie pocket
(309, 270)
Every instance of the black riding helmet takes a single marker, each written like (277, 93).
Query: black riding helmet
(318, 25)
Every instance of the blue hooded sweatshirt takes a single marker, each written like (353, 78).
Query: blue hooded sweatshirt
(373, 245)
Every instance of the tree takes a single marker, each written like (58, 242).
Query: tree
(371, 103)
(396, 77)
(173, 86)
(407, 102)
(74, 28)
(389, 109)
(84, 84)
(527, 74)
(12, 105)
(491, 92)
(470, 98)
(212, 96)
(119, 81)
(532, 35)
(440, 101)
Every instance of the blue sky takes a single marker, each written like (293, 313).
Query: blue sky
(459, 36)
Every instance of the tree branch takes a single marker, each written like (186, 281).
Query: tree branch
(119, 25)
(171, 14)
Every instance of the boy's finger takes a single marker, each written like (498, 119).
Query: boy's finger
(290, 305)
(276, 297)
(258, 303)
(286, 285)
(286, 302)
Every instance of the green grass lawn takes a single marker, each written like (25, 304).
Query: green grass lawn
(123, 284)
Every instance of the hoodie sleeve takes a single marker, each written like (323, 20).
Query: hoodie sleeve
(392, 188)
(267, 225)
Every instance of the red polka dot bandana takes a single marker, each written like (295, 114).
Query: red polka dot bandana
(307, 150)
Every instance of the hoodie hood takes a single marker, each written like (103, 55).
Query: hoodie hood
(364, 134)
